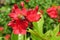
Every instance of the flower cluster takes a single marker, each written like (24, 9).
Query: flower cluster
(52, 12)
(21, 18)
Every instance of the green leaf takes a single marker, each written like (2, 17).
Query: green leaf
(48, 34)
(18, 37)
(13, 1)
(53, 38)
(35, 38)
(56, 30)
(35, 35)
(58, 37)
(14, 37)
(38, 26)
(48, 1)
(0, 38)
(51, 35)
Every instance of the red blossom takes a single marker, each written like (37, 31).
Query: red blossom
(7, 37)
(22, 3)
(32, 15)
(27, 0)
(52, 12)
(1, 28)
(17, 13)
(15, 6)
(36, 8)
(20, 18)
(19, 26)
(24, 11)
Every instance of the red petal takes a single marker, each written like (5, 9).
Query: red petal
(22, 3)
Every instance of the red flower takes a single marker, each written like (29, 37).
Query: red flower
(32, 15)
(27, 0)
(36, 8)
(16, 13)
(1, 28)
(22, 3)
(52, 12)
(7, 37)
(20, 18)
(19, 26)
(24, 11)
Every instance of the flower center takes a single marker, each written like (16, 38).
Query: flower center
(21, 16)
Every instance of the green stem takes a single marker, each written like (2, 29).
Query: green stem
(0, 34)
(59, 27)
(5, 26)
(25, 37)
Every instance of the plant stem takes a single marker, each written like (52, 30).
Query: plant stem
(25, 37)
(59, 27)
